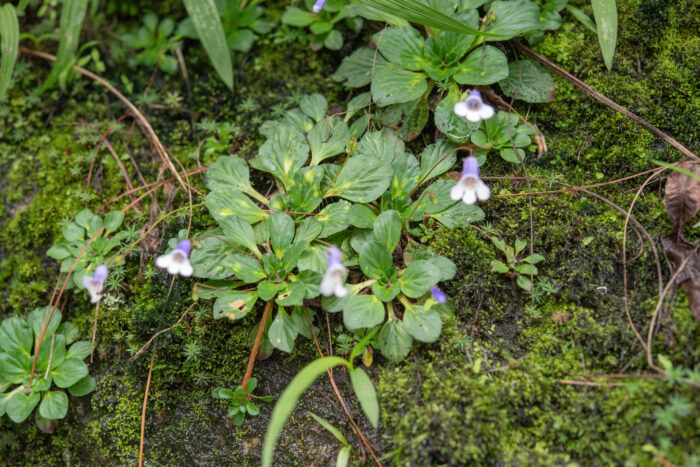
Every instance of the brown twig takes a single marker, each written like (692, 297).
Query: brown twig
(143, 409)
(125, 174)
(588, 383)
(150, 341)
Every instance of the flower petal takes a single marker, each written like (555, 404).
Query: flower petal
(486, 112)
(340, 291)
(457, 191)
(186, 269)
(460, 109)
(469, 196)
(473, 115)
(164, 261)
(482, 190)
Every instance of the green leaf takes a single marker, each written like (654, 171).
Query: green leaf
(36, 320)
(16, 334)
(234, 305)
(528, 82)
(447, 268)
(328, 138)
(406, 176)
(456, 128)
(83, 387)
(437, 158)
(375, 260)
(361, 216)
(213, 258)
(384, 144)
(79, 350)
(605, 14)
(459, 214)
(386, 293)
(334, 40)
(387, 229)
(206, 20)
(14, 365)
(20, 406)
(402, 46)
(228, 172)
(418, 278)
(72, 16)
(394, 341)
(363, 311)
(288, 399)
(54, 405)
(364, 390)
(307, 230)
(582, 17)
(229, 202)
(485, 65)
(58, 252)
(56, 354)
(281, 228)
(297, 17)
(9, 46)
(69, 372)
(498, 266)
(283, 154)
(393, 85)
(333, 218)
(357, 69)
(424, 325)
(417, 12)
(363, 179)
(343, 458)
(513, 18)
(314, 106)
(239, 232)
(330, 428)
(435, 198)
(305, 189)
(410, 117)
(72, 232)
(112, 221)
(293, 295)
(283, 332)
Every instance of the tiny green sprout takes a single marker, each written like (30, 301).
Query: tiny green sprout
(240, 400)
(515, 266)
(192, 351)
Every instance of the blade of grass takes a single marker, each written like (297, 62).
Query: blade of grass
(605, 13)
(9, 35)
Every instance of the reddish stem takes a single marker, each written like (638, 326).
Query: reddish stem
(256, 344)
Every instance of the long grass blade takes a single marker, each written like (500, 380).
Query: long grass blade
(207, 22)
(605, 13)
(9, 44)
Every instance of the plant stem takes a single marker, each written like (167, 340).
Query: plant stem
(256, 344)
(94, 331)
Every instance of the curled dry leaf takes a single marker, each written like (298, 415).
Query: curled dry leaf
(682, 202)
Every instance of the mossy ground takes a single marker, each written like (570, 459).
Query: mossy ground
(492, 390)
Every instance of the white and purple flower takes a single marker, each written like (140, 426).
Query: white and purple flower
(95, 283)
(470, 187)
(177, 261)
(318, 6)
(473, 108)
(334, 278)
(438, 294)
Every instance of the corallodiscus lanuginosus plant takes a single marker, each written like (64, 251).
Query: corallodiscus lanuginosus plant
(362, 206)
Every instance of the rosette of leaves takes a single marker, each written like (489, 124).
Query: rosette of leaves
(154, 41)
(407, 66)
(322, 24)
(76, 235)
(59, 367)
(242, 23)
(240, 404)
(274, 250)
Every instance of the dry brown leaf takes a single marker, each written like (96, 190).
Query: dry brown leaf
(682, 198)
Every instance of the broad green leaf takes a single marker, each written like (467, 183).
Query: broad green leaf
(357, 69)
(485, 65)
(79, 350)
(386, 293)
(406, 176)
(292, 295)
(308, 230)
(72, 232)
(383, 144)
(333, 218)
(58, 252)
(281, 228)
(14, 365)
(20, 405)
(387, 229)
(528, 82)
(437, 158)
(418, 278)
(36, 320)
(54, 405)
(54, 349)
(391, 85)
(83, 387)
(239, 232)
(361, 216)
(375, 260)
(363, 311)
(605, 14)
(314, 106)
(512, 18)
(456, 128)
(402, 46)
(435, 198)
(459, 214)
(334, 40)
(408, 118)
(447, 268)
(343, 458)
(234, 305)
(364, 390)
(457, 43)
(424, 325)
(206, 21)
(213, 258)
(113, 220)
(69, 372)
(9, 45)
(394, 341)
(328, 138)
(314, 259)
(283, 154)
(305, 189)
(362, 179)
(228, 172)
(288, 400)
(228, 203)
(16, 334)
(297, 17)
(72, 16)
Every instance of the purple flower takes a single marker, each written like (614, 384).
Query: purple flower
(332, 283)
(95, 283)
(318, 6)
(438, 294)
(177, 261)
(473, 108)
(470, 186)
